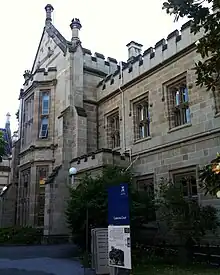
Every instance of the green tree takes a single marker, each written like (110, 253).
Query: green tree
(200, 12)
(210, 177)
(91, 194)
(2, 146)
(184, 218)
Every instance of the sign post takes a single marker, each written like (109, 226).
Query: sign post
(119, 240)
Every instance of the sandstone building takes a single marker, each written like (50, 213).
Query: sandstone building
(84, 111)
(6, 203)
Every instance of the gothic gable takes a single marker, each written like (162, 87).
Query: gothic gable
(51, 42)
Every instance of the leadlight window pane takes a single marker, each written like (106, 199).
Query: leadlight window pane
(180, 112)
(45, 104)
(188, 183)
(44, 128)
(114, 131)
(185, 95)
(143, 120)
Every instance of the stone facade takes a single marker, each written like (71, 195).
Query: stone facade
(81, 110)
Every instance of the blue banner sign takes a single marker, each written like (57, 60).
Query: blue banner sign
(118, 205)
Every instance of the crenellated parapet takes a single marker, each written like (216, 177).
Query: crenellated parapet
(164, 49)
(99, 62)
(99, 159)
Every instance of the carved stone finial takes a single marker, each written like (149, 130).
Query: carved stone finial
(75, 24)
(8, 118)
(26, 75)
(49, 9)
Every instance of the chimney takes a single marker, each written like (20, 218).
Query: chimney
(134, 49)
(49, 9)
(75, 27)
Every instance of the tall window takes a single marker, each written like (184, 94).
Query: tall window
(44, 115)
(187, 182)
(114, 131)
(42, 173)
(45, 104)
(217, 100)
(178, 104)
(27, 125)
(142, 120)
(23, 199)
(145, 186)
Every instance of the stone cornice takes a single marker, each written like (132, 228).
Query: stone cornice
(5, 168)
(176, 143)
(94, 71)
(34, 148)
(93, 154)
(36, 84)
(30, 163)
(88, 101)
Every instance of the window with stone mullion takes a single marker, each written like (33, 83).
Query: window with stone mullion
(114, 131)
(178, 104)
(216, 94)
(143, 120)
(24, 196)
(44, 114)
(28, 120)
(42, 173)
(188, 183)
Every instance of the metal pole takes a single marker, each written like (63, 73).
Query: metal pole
(87, 231)
(87, 240)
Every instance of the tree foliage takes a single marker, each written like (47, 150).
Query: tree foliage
(210, 177)
(185, 217)
(91, 194)
(203, 18)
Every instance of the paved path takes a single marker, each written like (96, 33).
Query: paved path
(39, 260)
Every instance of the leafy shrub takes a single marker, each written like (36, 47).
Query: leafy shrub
(183, 216)
(210, 177)
(91, 194)
(20, 235)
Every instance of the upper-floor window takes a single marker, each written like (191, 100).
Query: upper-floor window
(45, 104)
(217, 100)
(142, 119)
(27, 121)
(44, 115)
(178, 104)
(113, 130)
(44, 128)
(187, 182)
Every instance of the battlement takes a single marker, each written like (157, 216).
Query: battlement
(99, 62)
(40, 75)
(99, 159)
(152, 57)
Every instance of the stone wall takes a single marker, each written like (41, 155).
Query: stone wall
(166, 149)
(8, 207)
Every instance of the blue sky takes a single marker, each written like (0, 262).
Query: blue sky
(107, 26)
